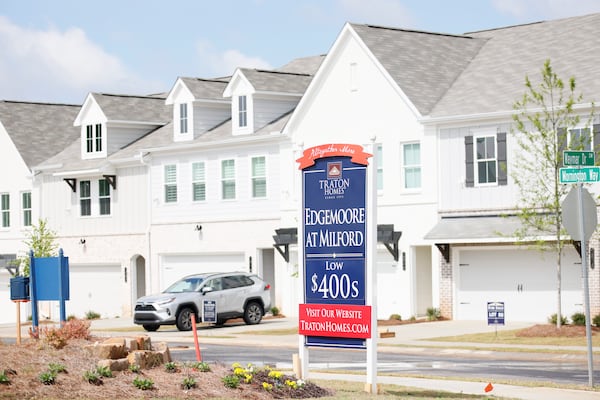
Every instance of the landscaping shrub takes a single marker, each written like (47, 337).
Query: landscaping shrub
(553, 318)
(578, 319)
(596, 320)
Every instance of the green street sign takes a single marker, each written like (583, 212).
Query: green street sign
(577, 175)
(578, 158)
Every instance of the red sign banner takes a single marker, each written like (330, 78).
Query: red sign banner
(334, 149)
(335, 320)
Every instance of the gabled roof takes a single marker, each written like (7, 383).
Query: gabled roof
(205, 89)
(495, 78)
(303, 65)
(39, 130)
(142, 109)
(423, 64)
(264, 81)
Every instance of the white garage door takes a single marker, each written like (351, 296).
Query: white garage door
(95, 288)
(9, 309)
(174, 267)
(525, 280)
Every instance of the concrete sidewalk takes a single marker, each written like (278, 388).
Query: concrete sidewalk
(409, 337)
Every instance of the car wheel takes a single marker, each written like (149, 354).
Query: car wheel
(151, 327)
(253, 313)
(184, 322)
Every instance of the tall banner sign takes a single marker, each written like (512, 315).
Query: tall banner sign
(335, 312)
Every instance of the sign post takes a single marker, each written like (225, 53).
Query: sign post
(495, 314)
(335, 243)
(579, 202)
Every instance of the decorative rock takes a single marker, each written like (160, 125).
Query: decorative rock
(112, 351)
(145, 358)
(163, 349)
(122, 364)
(143, 343)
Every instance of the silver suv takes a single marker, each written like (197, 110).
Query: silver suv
(235, 294)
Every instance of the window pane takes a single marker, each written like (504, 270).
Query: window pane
(5, 204)
(242, 112)
(170, 173)
(480, 148)
(105, 206)
(198, 184)
(198, 171)
(98, 137)
(379, 159)
(228, 169)
(259, 187)
(183, 118)
(170, 193)
(84, 189)
(490, 147)
(491, 171)
(89, 138)
(228, 190)
(85, 202)
(103, 187)
(26, 206)
(412, 165)
(258, 166)
(199, 190)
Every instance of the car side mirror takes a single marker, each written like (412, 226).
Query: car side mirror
(206, 289)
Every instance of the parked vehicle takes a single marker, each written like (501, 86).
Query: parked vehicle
(236, 294)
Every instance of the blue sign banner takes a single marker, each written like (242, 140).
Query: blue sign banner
(334, 221)
(495, 312)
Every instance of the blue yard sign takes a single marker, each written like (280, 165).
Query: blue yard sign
(334, 236)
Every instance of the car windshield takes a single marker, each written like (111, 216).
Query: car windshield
(185, 285)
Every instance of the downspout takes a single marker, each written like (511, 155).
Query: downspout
(144, 158)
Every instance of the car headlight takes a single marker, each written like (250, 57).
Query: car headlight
(165, 301)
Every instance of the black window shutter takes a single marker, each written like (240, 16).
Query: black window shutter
(502, 167)
(562, 143)
(470, 173)
(596, 143)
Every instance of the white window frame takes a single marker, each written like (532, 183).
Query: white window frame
(411, 167)
(486, 159)
(242, 111)
(256, 179)
(106, 196)
(26, 211)
(93, 143)
(198, 180)
(169, 183)
(228, 180)
(4, 210)
(183, 118)
(379, 161)
(87, 198)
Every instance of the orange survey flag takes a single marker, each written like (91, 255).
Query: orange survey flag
(488, 388)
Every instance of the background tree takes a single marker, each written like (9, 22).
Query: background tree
(543, 119)
(42, 240)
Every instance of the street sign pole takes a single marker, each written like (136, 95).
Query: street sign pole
(586, 290)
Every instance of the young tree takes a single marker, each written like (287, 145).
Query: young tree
(42, 240)
(543, 119)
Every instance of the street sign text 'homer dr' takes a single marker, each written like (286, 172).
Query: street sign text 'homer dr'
(334, 312)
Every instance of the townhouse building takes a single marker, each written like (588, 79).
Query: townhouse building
(204, 177)
(29, 134)
(438, 109)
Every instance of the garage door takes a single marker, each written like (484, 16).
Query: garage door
(174, 267)
(97, 288)
(525, 280)
(9, 309)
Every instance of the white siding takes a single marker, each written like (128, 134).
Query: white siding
(15, 180)
(454, 194)
(207, 116)
(266, 110)
(117, 137)
(215, 208)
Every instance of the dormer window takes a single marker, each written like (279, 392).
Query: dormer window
(183, 118)
(93, 138)
(242, 112)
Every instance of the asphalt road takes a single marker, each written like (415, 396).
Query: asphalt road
(429, 365)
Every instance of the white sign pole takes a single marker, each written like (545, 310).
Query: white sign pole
(586, 290)
(371, 289)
